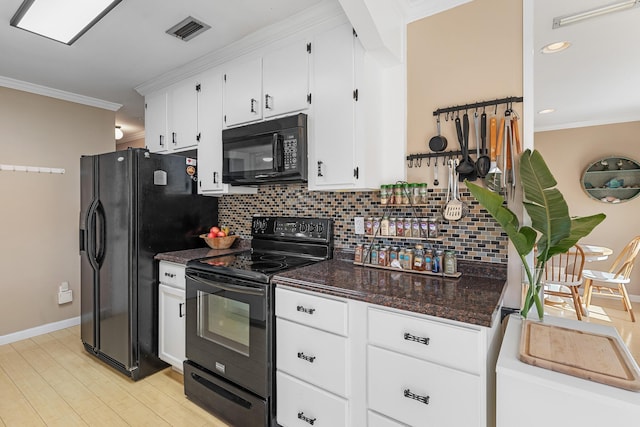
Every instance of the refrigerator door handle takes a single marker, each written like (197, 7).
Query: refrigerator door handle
(101, 235)
(91, 235)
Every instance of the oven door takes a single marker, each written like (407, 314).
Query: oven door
(229, 329)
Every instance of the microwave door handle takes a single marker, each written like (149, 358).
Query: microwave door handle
(227, 287)
(277, 153)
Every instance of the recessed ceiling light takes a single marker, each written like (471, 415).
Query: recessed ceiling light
(555, 47)
(546, 111)
(61, 20)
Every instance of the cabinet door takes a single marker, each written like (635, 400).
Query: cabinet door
(243, 92)
(182, 110)
(210, 130)
(171, 325)
(332, 159)
(155, 119)
(285, 79)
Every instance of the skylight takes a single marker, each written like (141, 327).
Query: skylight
(61, 20)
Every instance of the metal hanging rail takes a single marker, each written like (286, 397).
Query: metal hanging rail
(483, 104)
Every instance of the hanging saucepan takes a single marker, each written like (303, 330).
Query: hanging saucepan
(438, 142)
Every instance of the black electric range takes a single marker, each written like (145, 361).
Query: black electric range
(230, 345)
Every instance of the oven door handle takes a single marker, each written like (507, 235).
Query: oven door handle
(231, 288)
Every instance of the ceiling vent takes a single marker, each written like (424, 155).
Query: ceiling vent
(188, 28)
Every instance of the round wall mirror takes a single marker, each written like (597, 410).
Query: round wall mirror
(612, 179)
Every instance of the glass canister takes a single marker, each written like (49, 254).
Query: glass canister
(415, 227)
(392, 226)
(393, 255)
(418, 258)
(384, 226)
(384, 194)
(366, 254)
(376, 226)
(428, 256)
(401, 255)
(450, 262)
(424, 227)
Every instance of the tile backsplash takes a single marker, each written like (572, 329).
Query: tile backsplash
(476, 237)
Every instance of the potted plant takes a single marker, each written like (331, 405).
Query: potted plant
(552, 230)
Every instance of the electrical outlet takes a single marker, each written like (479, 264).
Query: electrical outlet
(65, 296)
(358, 223)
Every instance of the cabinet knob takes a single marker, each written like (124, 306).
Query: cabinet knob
(320, 163)
(253, 108)
(303, 309)
(215, 177)
(414, 338)
(308, 420)
(161, 140)
(174, 138)
(424, 399)
(180, 310)
(266, 101)
(303, 356)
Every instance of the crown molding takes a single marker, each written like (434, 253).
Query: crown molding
(58, 94)
(324, 15)
(418, 9)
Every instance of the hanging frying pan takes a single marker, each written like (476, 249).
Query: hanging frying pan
(438, 142)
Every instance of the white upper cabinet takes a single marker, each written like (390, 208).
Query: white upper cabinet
(243, 92)
(285, 78)
(332, 128)
(156, 121)
(274, 84)
(182, 113)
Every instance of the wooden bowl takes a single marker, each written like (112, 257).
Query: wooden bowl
(219, 242)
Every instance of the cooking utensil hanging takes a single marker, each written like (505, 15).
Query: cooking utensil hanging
(483, 164)
(438, 143)
(453, 210)
(466, 166)
(493, 178)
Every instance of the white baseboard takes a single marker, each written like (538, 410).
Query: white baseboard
(39, 330)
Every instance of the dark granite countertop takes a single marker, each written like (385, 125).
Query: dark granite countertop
(474, 298)
(184, 256)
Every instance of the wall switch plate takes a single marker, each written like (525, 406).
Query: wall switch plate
(358, 222)
(65, 296)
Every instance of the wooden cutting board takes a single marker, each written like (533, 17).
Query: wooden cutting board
(594, 357)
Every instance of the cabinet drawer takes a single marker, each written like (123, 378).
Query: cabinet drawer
(312, 355)
(449, 345)
(323, 313)
(302, 405)
(172, 274)
(421, 393)
(376, 420)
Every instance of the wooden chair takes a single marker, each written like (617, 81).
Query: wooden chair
(564, 271)
(614, 280)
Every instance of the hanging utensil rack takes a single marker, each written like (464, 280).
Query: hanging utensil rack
(415, 160)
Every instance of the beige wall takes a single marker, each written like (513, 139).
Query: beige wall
(39, 221)
(568, 153)
(467, 54)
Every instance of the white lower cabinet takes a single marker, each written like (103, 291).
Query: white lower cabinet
(368, 365)
(421, 393)
(171, 314)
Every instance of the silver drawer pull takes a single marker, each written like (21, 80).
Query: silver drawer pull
(423, 399)
(311, 421)
(303, 356)
(305, 310)
(421, 340)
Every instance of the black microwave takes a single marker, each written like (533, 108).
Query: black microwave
(270, 151)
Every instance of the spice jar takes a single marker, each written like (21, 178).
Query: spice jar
(424, 227)
(384, 226)
(357, 257)
(383, 256)
(376, 226)
(393, 255)
(366, 254)
(384, 194)
(436, 262)
(401, 255)
(392, 226)
(400, 227)
(450, 263)
(415, 227)
(433, 228)
(428, 255)
(418, 258)
(397, 194)
(374, 254)
(407, 227)
(406, 194)
(368, 226)
(408, 259)
(422, 190)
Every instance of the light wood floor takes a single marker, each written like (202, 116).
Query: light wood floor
(51, 380)
(606, 311)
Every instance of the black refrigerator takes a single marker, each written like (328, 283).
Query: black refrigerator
(133, 205)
